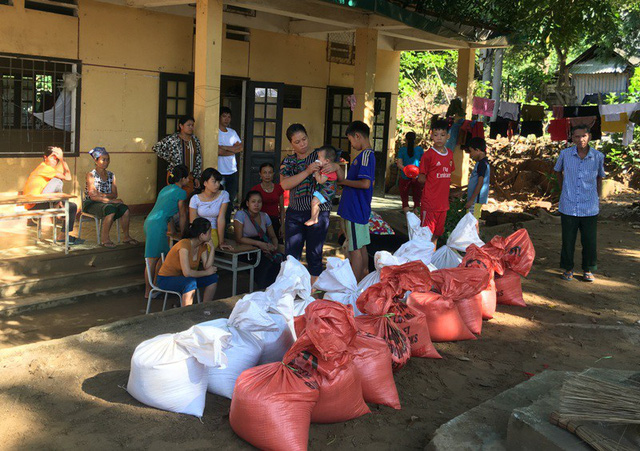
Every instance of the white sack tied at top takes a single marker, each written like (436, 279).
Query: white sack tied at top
(339, 283)
(464, 234)
(419, 246)
(247, 325)
(380, 260)
(169, 372)
(293, 279)
(281, 310)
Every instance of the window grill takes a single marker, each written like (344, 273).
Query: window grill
(39, 98)
(238, 33)
(6, 2)
(341, 48)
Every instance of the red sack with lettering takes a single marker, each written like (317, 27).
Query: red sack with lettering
(272, 404)
(384, 298)
(520, 254)
(462, 285)
(372, 358)
(397, 341)
(509, 289)
(331, 330)
(477, 257)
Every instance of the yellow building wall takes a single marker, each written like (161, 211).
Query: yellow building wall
(123, 50)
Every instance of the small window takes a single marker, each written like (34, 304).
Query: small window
(292, 96)
(39, 98)
(6, 2)
(238, 33)
(64, 7)
(341, 48)
(239, 10)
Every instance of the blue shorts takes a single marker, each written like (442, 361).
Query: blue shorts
(318, 195)
(182, 284)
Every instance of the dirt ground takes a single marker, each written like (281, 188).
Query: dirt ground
(67, 393)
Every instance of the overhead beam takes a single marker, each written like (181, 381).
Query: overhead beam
(304, 27)
(427, 38)
(407, 45)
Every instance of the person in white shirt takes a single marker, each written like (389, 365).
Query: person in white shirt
(229, 144)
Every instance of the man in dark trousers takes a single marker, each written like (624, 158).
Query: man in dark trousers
(580, 170)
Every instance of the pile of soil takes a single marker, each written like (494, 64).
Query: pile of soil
(68, 393)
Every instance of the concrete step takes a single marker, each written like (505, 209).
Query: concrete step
(99, 287)
(87, 258)
(18, 285)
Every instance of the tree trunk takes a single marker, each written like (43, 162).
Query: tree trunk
(496, 90)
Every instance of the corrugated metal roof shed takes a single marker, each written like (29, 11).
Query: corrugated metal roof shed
(596, 66)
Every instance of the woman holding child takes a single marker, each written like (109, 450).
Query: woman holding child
(297, 175)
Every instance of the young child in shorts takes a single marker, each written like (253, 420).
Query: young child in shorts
(436, 167)
(478, 188)
(326, 184)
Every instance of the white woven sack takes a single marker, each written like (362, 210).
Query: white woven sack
(339, 283)
(465, 234)
(169, 372)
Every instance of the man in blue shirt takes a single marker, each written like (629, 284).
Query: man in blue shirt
(355, 201)
(580, 171)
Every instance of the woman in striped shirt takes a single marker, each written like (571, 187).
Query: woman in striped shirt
(296, 173)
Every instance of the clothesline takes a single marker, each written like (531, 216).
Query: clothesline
(525, 119)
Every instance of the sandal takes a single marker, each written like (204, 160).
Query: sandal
(108, 244)
(567, 275)
(131, 241)
(588, 276)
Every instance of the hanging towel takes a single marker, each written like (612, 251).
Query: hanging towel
(483, 107)
(60, 115)
(615, 123)
(559, 129)
(558, 111)
(531, 128)
(532, 113)
(635, 117)
(503, 127)
(509, 110)
(586, 111)
(589, 121)
(452, 142)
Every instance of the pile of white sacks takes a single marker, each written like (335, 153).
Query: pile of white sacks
(174, 371)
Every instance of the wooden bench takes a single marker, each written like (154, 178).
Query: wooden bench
(52, 212)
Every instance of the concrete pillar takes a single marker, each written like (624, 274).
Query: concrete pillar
(364, 85)
(464, 90)
(208, 69)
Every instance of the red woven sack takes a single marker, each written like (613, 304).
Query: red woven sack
(477, 257)
(520, 253)
(462, 285)
(487, 299)
(331, 329)
(272, 404)
(445, 322)
(397, 341)
(372, 359)
(383, 298)
(509, 289)
(412, 276)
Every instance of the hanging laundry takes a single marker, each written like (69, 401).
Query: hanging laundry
(468, 130)
(615, 123)
(586, 111)
(559, 129)
(503, 127)
(483, 107)
(531, 128)
(635, 117)
(454, 131)
(60, 115)
(509, 110)
(589, 121)
(531, 113)
(558, 111)
(619, 108)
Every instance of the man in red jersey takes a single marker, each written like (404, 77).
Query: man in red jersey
(436, 167)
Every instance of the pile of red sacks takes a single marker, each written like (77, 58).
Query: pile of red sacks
(340, 362)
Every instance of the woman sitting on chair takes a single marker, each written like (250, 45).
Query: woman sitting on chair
(159, 224)
(180, 273)
(211, 203)
(101, 198)
(254, 227)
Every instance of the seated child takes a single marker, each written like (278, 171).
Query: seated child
(326, 184)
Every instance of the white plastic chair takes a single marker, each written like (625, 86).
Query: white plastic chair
(98, 226)
(155, 288)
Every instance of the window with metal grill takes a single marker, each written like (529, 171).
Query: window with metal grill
(341, 48)
(39, 98)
